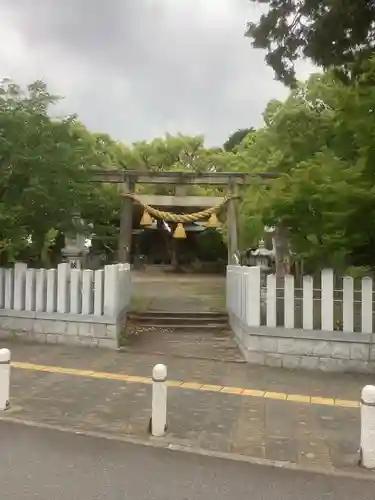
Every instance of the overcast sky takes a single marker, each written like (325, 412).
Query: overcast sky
(139, 68)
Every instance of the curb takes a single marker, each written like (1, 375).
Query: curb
(124, 350)
(164, 443)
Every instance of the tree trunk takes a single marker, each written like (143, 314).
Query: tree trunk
(282, 256)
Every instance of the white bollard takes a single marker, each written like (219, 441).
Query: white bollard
(4, 378)
(159, 401)
(368, 427)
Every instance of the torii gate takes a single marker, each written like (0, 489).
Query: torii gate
(127, 179)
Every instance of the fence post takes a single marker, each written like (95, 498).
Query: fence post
(9, 289)
(30, 290)
(227, 287)
(98, 292)
(2, 287)
(4, 379)
(289, 304)
(75, 291)
(347, 304)
(51, 303)
(308, 303)
(63, 278)
(327, 303)
(271, 301)
(19, 285)
(111, 290)
(231, 288)
(368, 427)
(366, 305)
(87, 291)
(40, 293)
(159, 401)
(252, 291)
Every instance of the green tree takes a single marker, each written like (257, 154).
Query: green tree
(45, 174)
(320, 142)
(178, 153)
(236, 138)
(339, 33)
(168, 153)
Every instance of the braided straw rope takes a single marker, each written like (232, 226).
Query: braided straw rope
(180, 218)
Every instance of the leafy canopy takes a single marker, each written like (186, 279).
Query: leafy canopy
(331, 33)
(321, 142)
(44, 170)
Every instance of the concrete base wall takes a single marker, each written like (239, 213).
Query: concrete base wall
(55, 328)
(306, 349)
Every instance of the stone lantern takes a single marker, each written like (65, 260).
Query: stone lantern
(75, 245)
(262, 257)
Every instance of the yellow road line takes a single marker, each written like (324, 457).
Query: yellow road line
(194, 386)
(299, 398)
(322, 401)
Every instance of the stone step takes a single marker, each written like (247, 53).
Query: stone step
(212, 322)
(181, 327)
(187, 315)
(177, 320)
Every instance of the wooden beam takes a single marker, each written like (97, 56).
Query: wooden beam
(180, 201)
(114, 176)
(110, 176)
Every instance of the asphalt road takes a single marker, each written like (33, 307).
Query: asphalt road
(44, 465)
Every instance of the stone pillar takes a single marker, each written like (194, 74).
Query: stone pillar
(232, 223)
(4, 379)
(368, 427)
(126, 223)
(72, 253)
(159, 401)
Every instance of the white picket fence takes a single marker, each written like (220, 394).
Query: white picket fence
(325, 308)
(104, 292)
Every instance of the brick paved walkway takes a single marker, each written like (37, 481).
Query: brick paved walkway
(320, 432)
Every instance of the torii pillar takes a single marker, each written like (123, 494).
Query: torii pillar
(126, 222)
(232, 222)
